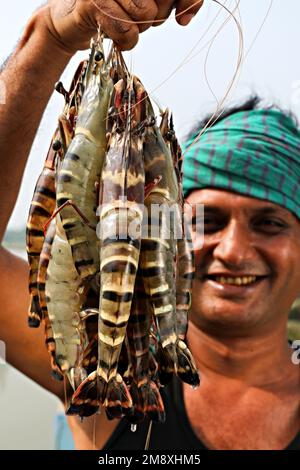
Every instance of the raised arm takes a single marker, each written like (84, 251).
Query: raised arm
(28, 78)
(51, 37)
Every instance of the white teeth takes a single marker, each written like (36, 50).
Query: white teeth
(237, 281)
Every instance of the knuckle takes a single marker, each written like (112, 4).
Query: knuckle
(120, 27)
(81, 9)
(68, 6)
(144, 9)
(122, 32)
(138, 3)
(127, 43)
(80, 5)
(151, 10)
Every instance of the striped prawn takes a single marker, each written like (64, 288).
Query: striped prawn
(158, 255)
(81, 168)
(121, 199)
(44, 197)
(66, 289)
(185, 253)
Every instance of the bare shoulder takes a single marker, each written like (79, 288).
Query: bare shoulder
(25, 347)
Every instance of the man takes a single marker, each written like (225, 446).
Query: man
(247, 272)
(245, 171)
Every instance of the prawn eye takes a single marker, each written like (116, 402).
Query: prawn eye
(56, 145)
(170, 135)
(98, 56)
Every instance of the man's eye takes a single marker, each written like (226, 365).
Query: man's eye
(208, 224)
(196, 224)
(271, 225)
(212, 224)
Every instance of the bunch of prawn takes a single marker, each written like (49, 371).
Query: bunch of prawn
(109, 278)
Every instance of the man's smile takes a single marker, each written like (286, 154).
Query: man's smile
(233, 279)
(230, 284)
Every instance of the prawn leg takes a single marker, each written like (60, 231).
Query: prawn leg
(64, 295)
(143, 389)
(41, 279)
(41, 209)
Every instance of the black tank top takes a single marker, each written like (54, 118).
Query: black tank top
(175, 434)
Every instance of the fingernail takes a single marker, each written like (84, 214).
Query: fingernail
(185, 19)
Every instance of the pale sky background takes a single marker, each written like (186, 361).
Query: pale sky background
(272, 68)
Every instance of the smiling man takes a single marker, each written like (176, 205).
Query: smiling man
(245, 170)
(248, 272)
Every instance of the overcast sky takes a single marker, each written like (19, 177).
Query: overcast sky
(272, 67)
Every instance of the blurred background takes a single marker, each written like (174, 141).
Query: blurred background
(189, 70)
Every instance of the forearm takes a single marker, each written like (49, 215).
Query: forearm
(25, 347)
(28, 78)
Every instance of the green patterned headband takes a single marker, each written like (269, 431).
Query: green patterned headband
(254, 153)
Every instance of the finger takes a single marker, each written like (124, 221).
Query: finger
(140, 10)
(116, 23)
(193, 7)
(165, 8)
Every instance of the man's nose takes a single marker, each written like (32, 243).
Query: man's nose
(235, 245)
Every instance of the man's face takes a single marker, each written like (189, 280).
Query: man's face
(248, 270)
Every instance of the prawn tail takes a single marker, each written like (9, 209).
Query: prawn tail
(187, 370)
(155, 407)
(86, 398)
(118, 401)
(146, 402)
(167, 359)
(95, 391)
